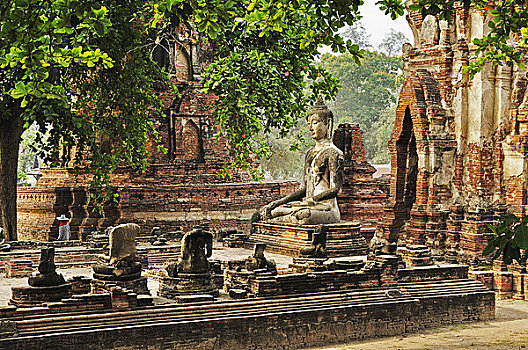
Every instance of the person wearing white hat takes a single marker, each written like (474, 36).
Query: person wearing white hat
(64, 228)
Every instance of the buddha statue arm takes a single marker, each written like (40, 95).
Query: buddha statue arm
(294, 196)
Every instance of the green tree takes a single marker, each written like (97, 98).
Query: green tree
(286, 153)
(392, 43)
(368, 90)
(80, 70)
(377, 140)
(358, 35)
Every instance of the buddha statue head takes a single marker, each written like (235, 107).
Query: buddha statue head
(320, 121)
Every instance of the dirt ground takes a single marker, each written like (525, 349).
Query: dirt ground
(509, 331)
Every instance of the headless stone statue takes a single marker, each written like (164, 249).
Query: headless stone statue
(315, 203)
(124, 261)
(318, 247)
(197, 246)
(47, 275)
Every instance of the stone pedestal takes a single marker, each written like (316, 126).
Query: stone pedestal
(303, 265)
(415, 255)
(342, 239)
(187, 284)
(138, 285)
(36, 296)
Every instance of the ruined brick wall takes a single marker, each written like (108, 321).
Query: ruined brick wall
(238, 328)
(363, 197)
(458, 147)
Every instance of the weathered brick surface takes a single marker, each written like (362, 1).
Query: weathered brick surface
(431, 273)
(71, 257)
(36, 296)
(342, 239)
(363, 197)
(486, 277)
(458, 147)
(16, 268)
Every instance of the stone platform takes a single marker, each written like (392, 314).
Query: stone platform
(138, 285)
(35, 296)
(187, 284)
(342, 239)
(277, 323)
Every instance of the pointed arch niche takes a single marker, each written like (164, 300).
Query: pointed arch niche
(192, 141)
(413, 146)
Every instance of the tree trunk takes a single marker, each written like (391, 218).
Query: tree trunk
(11, 130)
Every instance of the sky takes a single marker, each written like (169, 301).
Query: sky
(378, 24)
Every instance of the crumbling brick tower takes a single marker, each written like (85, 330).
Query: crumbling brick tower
(459, 146)
(181, 188)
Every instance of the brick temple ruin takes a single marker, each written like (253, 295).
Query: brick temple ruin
(457, 159)
(181, 188)
(458, 147)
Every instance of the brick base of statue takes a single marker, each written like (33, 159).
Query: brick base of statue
(342, 239)
(138, 285)
(187, 284)
(36, 296)
(415, 255)
(303, 265)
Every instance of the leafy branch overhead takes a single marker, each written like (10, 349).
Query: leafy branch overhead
(263, 64)
(79, 70)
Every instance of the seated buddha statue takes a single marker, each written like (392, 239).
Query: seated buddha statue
(123, 263)
(315, 202)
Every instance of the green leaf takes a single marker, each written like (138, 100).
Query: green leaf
(521, 236)
(497, 254)
(490, 248)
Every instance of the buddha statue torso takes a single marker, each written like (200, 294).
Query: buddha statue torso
(320, 173)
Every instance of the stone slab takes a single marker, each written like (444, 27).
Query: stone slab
(36, 296)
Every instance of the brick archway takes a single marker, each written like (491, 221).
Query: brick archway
(415, 149)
